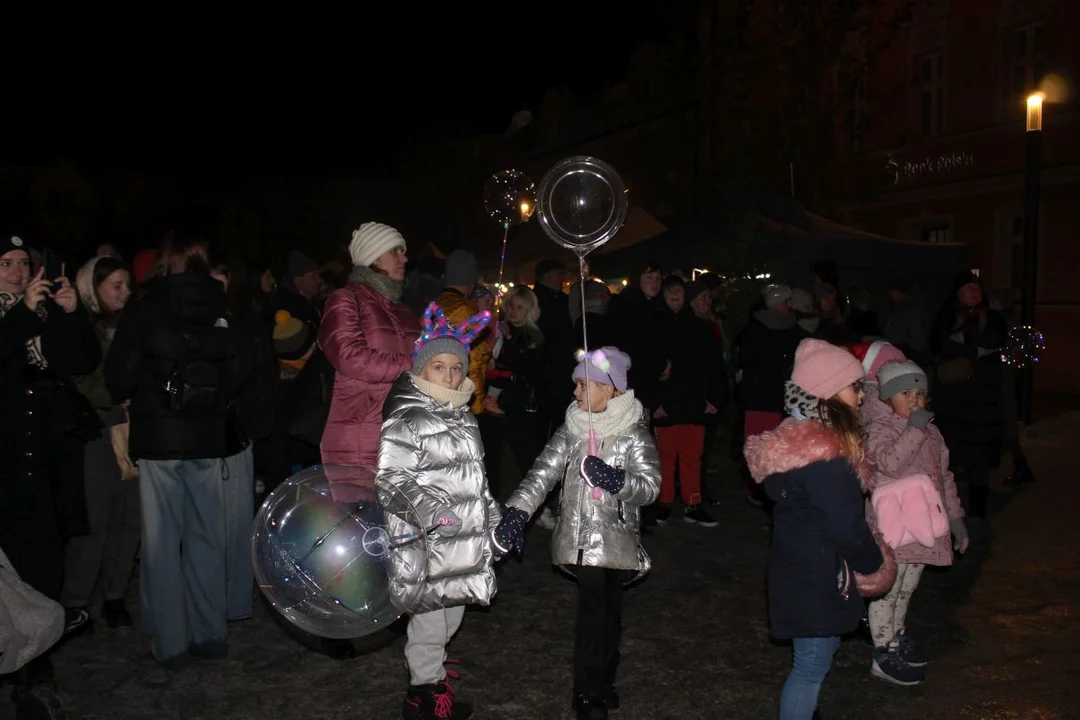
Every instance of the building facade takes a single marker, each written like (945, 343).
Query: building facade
(933, 149)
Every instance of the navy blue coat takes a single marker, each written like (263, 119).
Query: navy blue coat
(820, 535)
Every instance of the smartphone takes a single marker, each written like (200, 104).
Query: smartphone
(53, 262)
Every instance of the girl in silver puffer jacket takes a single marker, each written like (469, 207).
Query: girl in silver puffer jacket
(597, 537)
(430, 450)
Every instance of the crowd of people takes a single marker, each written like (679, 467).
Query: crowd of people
(149, 404)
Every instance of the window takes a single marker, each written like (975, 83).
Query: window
(928, 84)
(1027, 62)
(937, 233)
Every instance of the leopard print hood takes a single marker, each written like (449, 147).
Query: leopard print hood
(800, 404)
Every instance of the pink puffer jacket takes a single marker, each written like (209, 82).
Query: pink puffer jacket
(898, 450)
(369, 341)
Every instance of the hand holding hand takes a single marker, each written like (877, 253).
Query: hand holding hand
(710, 409)
(659, 413)
(509, 536)
(599, 474)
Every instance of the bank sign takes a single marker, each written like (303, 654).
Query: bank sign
(899, 170)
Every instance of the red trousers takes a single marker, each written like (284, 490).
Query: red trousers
(682, 443)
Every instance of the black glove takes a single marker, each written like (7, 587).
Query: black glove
(509, 536)
(920, 418)
(601, 475)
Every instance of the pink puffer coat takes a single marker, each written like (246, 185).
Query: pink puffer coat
(897, 450)
(369, 341)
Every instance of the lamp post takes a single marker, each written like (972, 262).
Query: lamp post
(1031, 238)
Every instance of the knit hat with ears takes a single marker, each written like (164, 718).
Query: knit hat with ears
(371, 240)
(438, 336)
(823, 369)
(607, 366)
(873, 355)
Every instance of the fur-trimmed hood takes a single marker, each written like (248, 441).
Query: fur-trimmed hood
(794, 445)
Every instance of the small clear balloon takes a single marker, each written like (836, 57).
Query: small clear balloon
(582, 203)
(329, 545)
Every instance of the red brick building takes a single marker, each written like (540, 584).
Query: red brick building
(935, 149)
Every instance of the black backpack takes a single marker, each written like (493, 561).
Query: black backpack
(195, 386)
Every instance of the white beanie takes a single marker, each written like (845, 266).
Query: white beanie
(371, 241)
(775, 294)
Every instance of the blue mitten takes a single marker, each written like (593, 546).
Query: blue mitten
(509, 536)
(601, 475)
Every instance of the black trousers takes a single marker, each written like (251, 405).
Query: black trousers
(599, 628)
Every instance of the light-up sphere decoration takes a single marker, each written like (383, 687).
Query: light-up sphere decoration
(581, 203)
(335, 552)
(510, 197)
(1024, 347)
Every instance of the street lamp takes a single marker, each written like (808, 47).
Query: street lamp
(1031, 238)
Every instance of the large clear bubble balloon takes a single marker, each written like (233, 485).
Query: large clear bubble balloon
(582, 203)
(335, 552)
(510, 197)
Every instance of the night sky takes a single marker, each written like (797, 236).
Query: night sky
(309, 103)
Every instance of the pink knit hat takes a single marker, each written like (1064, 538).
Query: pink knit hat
(823, 370)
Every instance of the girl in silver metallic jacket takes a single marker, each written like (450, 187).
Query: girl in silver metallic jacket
(605, 483)
(430, 450)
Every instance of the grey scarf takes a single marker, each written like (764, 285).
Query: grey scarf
(391, 289)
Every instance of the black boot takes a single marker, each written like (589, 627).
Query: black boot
(610, 693)
(1022, 474)
(590, 707)
(428, 702)
(115, 614)
(978, 495)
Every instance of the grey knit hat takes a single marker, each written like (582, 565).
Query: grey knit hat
(897, 376)
(438, 346)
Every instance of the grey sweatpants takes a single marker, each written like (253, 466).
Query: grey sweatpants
(425, 650)
(99, 566)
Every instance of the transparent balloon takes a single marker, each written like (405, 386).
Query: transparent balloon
(335, 552)
(581, 203)
(510, 197)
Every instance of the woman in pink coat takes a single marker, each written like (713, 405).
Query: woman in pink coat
(368, 335)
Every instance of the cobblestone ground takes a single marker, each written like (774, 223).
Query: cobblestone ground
(1000, 628)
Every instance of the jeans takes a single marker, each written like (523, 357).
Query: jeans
(182, 566)
(239, 495)
(813, 658)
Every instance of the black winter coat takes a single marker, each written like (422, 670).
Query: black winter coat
(695, 378)
(766, 355)
(41, 467)
(820, 535)
(181, 320)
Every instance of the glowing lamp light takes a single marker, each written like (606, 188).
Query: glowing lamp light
(1035, 111)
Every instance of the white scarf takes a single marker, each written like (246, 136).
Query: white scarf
(444, 395)
(33, 345)
(622, 412)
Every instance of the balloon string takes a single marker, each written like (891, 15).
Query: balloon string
(502, 261)
(585, 342)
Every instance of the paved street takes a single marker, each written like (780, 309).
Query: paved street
(1001, 629)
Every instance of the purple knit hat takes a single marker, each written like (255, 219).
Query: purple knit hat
(607, 366)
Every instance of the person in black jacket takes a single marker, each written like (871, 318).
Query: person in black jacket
(45, 338)
(182, 365)
(689, 396)
(823, 558)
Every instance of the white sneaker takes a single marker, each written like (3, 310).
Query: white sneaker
(546, 520)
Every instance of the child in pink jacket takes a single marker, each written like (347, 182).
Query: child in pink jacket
(903, 443)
